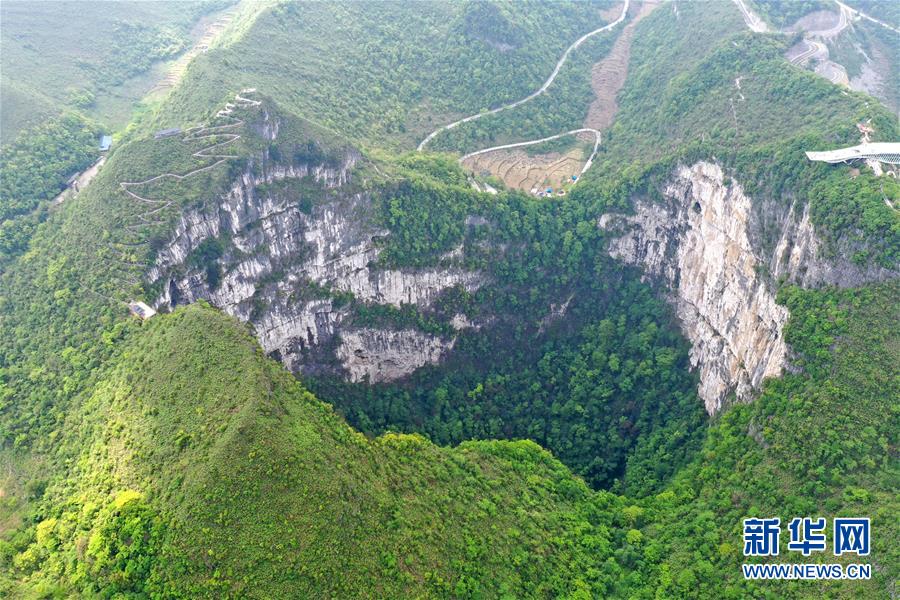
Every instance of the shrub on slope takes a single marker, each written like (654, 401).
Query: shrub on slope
(203, 469)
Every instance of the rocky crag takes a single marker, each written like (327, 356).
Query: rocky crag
(707, 244)
(288, 269)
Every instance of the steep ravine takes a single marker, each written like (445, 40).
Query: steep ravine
(704, 243)
(282, 264)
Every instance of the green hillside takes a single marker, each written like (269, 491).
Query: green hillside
(782, 13)
(88, 57)
(552, 453)
(743, 105)
(386, 76)
(190, 425)
(72, 71)
(816, 443)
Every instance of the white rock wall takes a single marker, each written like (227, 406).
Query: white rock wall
(698, 243)
(706, 243)
(333, 247)
(379, 355)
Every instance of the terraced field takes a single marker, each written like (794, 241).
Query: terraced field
(210, 31)
(608, 75)
(532, 173)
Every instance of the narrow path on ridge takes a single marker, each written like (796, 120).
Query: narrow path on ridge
(196, 133)
(532, 96)
(122, 248)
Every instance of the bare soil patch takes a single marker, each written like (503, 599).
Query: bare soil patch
(819, 20)
(612, 13)
(608, 75)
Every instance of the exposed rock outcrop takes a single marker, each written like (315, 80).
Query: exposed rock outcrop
(281, 265)
(706, 243)
(379, 355)
(799, 257)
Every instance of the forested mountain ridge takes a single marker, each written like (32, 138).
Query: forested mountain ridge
(173, 458)
(159, 479)
(385, 77)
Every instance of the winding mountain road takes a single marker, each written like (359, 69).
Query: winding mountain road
(122, 248)
(863, 15)
(196, 133)
(541, 90)
(832, 71)
(813, 49)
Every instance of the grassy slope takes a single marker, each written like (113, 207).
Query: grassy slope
(55, 51)
(884, 11)
(195, 419)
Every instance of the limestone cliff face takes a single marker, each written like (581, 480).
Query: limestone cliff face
(706, 243)
(281, 265)
(378, 355)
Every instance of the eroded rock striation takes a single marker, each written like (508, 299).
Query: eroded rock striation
(707, 243)
(282, 264)
(377, 355)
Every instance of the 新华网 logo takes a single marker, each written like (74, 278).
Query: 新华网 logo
(807, 535)
(849, 535)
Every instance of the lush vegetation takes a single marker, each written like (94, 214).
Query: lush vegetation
(599, 393)
(157, 502)
(815, 443)
(170, 458)
(392, 75)
(554, 253)
(840, 204)
(157, 499)
(579, 356)
(783, 13)
(35, 169)
(67, 68)
(562, 108)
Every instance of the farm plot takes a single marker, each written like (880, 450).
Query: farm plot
(529, 171)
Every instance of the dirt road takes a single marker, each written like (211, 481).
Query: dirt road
(81, 182)
(534, 95)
